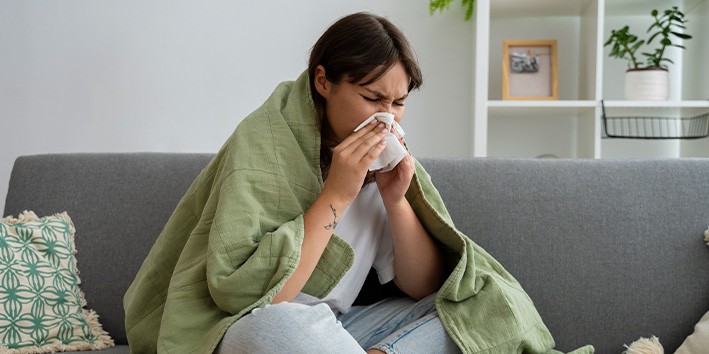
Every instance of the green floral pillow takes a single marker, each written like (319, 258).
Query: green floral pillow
(41, 305)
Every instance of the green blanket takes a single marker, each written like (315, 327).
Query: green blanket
(235, 238)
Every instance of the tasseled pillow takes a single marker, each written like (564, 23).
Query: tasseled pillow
(645, 346)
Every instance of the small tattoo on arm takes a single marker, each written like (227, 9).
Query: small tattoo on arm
(331, 226)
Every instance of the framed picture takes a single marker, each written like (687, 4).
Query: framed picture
(529, 70)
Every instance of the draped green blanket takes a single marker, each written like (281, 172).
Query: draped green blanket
(235, 238)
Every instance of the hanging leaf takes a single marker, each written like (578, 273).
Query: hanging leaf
(441, 5)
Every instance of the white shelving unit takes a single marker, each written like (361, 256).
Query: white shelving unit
(572, 126)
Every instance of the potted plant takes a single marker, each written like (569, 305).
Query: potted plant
(649, 81)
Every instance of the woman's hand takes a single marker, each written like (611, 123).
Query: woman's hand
(394, 184)
(351, 160)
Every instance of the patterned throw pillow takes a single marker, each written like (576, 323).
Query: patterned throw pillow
(41, 305)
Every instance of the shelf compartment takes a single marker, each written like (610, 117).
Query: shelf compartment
(654, 126)
(572, 23)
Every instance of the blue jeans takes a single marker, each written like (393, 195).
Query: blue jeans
(397, 325)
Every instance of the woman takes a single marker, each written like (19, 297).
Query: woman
(348, 85)
(273, 241)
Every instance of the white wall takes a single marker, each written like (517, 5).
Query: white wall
(178, 75)
(697, 77)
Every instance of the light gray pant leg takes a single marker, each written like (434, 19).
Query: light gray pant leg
(288, 328)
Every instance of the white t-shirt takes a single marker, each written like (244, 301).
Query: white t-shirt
(364, 225)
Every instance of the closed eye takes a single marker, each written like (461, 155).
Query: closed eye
(396, 103)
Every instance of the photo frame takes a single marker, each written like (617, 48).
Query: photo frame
(529, 70)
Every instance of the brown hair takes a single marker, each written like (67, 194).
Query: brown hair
(357, 45)
(354, 47)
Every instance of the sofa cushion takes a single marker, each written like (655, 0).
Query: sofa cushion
(121, 200)
(42, 304)
(608, 250)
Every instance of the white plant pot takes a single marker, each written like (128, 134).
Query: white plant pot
(647, 85)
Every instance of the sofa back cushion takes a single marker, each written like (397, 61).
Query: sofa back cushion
(118, 203)
(608, 250)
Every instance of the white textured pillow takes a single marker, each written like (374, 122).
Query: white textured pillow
(697, 342)
(42, 308)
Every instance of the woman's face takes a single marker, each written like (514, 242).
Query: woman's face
(347, 105)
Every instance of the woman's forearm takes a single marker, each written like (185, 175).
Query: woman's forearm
(418, 263)
(320, 221)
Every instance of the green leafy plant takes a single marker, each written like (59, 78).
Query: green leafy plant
(666, 25)
(440, 5)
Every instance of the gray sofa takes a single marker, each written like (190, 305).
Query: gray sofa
(609, 250)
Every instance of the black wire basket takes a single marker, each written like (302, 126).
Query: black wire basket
(655, 127)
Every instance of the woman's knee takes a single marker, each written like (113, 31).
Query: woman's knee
(283, 320)
(284, 327)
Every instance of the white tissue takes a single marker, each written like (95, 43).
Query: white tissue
(394, 151)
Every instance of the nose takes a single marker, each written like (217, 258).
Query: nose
(387, 107)
(390, 108)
